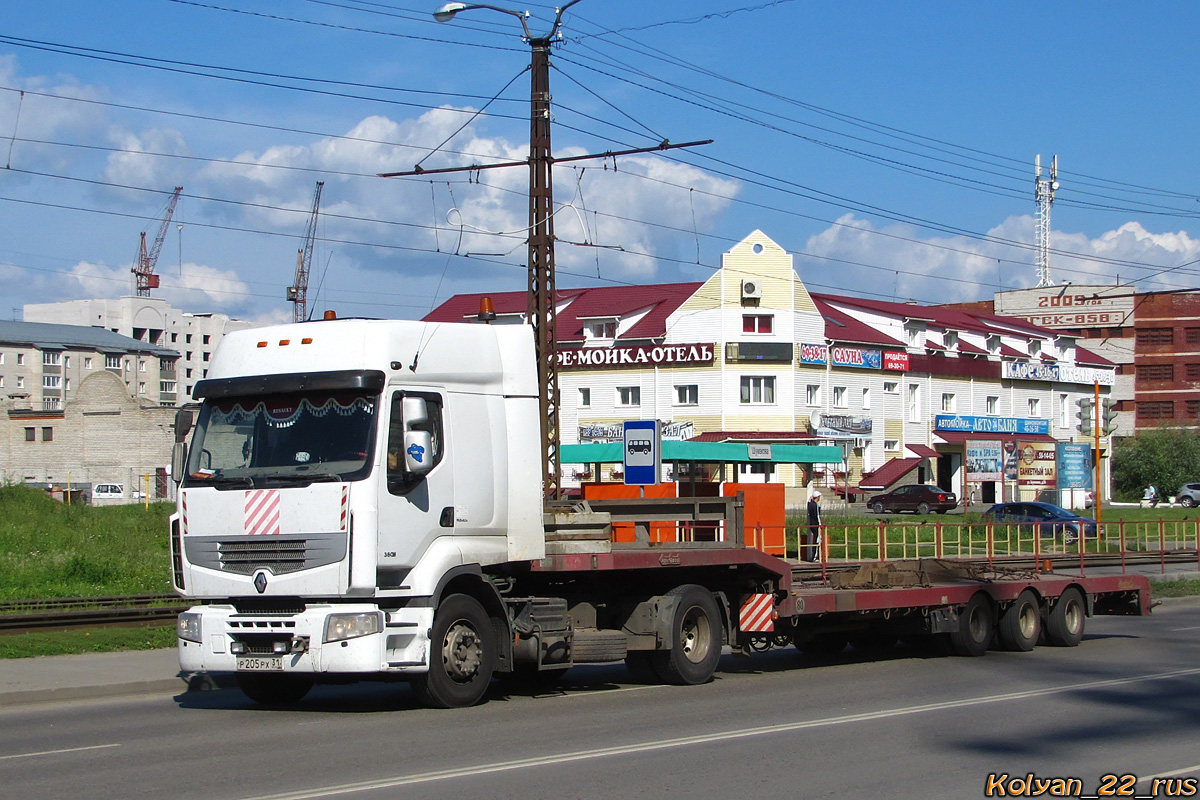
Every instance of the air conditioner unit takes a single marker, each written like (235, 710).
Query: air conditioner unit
(751, 289)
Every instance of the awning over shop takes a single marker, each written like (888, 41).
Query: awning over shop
(714, 452)
(958, 437)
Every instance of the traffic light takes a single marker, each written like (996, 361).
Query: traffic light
(1108, 416)
(1086, 404)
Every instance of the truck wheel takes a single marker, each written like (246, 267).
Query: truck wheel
(462, 655)
(1064, 626)
(695, 637)
(877, 508)
(976, 624)
(274, 690)
(1021, 623)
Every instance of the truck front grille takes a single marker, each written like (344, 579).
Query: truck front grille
(279, 555)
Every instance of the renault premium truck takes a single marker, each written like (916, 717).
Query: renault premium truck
(362, 500)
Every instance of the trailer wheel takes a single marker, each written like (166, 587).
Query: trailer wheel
(695, 636)
(1064, 626)
(976, 624)
(462, 655)
(1021, 623)
(274, 690)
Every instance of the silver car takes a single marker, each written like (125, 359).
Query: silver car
(1189, 495)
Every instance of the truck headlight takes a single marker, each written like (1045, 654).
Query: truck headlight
(188, 626)
(350, 626)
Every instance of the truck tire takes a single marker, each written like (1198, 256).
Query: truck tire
(695, 632)
(593, 646)
(462, 655)
(1064, 625)
(274, 689)
(1021, 623)
(976, 624)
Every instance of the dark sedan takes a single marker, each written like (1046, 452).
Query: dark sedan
(918, 497)
(1047, 518)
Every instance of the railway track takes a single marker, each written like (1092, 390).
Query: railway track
(69, 613)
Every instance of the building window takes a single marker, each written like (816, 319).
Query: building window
(66, 362)
(629, 395)
(206, 338)
(51, 358)
(188, 372)
(891, 445)
(141, 387)
(204, 356)
(20, 359)
(758, 390)
(1155, 409)
(174, 338)
(1155, 372)
(1, 358)
(20, 381)
(866, 397)
(112, 362)
(914, 402)
(1155, 336)
(51, 381)
(812, 394)
(87, 362)
(66, 384)
(31, 434)
(992, 405)
(1193, 408)
(891, 387)
(166, 387)
(51, 403)
(1, 381)
(949, 403)
(603, 330)
(757, 323)
(839, 397)
(188, 339)
(756, 468)
(1035, 407)
(47, 434)
(585, 394)
(1064, 411)
(687, 395)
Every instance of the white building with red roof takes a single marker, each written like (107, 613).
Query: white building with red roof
(751, 355)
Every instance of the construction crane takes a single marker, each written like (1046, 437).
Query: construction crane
(143, 271)
(297, 293)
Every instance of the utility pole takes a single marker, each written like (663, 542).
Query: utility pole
(1044, 194)
(541, 311)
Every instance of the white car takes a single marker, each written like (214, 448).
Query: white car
(108, 491)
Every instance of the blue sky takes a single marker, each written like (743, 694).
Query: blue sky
(888, 145)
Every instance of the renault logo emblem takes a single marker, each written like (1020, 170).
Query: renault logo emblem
(260, 581)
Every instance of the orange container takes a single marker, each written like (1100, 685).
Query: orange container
(623, 531)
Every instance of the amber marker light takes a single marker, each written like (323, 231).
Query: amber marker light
(262, 344)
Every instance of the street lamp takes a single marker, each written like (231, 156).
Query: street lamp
(541, 311)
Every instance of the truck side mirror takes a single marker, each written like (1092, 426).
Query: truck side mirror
(178, 461)
(183, 424)
(418, 452)
(415, 412)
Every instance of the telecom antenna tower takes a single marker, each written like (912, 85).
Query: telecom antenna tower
(1045, 198)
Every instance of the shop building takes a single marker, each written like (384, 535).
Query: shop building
(752, 355)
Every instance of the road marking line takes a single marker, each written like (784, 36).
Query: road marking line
(687, 741)
(1191, 628)
(57, 752)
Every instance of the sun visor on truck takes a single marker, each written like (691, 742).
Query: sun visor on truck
(364, 380)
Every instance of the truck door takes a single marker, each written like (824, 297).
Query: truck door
(414, 507)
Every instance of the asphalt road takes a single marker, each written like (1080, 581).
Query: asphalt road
(1126, 702)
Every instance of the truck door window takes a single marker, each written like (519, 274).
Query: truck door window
(398, 479)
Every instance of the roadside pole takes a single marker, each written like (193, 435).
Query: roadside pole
(1096, 433)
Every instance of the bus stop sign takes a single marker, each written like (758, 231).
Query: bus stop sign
(643, 452)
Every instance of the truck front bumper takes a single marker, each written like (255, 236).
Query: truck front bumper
(227, 641)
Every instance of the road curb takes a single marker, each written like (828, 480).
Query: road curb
(99, 692)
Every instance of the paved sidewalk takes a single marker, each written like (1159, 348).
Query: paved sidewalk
(90, 676)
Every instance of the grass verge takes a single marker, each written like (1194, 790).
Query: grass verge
(1180, 588)
(100, 640)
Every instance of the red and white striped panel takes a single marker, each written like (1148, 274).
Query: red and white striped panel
(757, 615)
(345, 507)
(262, 511)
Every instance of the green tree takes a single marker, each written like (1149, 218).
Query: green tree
(1165, 457)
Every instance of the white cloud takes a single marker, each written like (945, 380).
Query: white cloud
(902, 262)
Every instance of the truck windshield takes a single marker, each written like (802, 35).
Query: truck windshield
(277, 439)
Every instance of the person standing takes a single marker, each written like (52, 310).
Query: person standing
(812, 549)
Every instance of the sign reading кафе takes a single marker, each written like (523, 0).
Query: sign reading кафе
(1057, 373)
